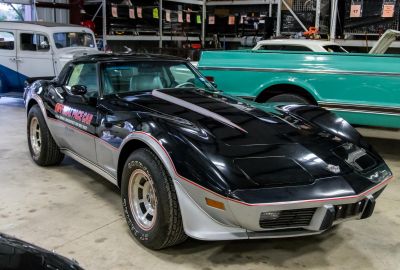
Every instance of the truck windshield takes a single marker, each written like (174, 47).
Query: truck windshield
(138, 76)
(73, 39)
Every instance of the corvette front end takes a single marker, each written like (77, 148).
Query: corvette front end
(235, 219)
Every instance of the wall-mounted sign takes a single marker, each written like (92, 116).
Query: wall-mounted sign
(188, 17)
(114, 11)
(132, 13)
(155, 13)
(167, 15)
(180, 16)
(211, 19)
(355, 11)
(231, 20)
(388, 11)
(139, 12)
(198, 19)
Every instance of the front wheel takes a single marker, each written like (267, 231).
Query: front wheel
(150, 203)
(43, 148)
(289, 98)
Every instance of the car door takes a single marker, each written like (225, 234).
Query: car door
(79, 113)
(9, 80)
(34, 56)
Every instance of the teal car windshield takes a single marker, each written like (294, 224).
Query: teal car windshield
(138, 76)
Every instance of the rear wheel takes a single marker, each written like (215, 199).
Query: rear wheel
(150, 203)
(43, 148)
(289, 98)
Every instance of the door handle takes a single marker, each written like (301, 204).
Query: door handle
(18, 59)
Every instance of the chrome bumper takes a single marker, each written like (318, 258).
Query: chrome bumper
(241, 220)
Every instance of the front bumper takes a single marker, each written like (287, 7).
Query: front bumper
(241, 220)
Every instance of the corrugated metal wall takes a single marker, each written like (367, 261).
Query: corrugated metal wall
(52, 14)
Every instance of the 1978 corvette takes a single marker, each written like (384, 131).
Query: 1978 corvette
(191, 161)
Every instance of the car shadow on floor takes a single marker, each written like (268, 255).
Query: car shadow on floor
(385, 146)
(310, 252)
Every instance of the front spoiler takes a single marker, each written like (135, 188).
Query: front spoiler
(241, 220)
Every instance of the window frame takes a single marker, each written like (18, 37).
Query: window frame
(70, 71)
(34, 33)
(14, 42)
(76, 32)
(286, 47)
(102, 65)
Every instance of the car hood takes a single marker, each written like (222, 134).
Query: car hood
(267, 145)
(74, 52)
(231, 121)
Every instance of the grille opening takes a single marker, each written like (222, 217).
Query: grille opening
(349, 210)
(365, 162)
(287, 218)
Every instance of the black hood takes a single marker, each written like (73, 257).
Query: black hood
(229, 120)
(268, 145)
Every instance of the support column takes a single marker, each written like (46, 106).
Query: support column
(104, 14)
(160, 18)
(203, 23)
(279, 18)
(318, 14)
(334, 11)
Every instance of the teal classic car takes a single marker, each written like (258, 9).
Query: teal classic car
(362, 88)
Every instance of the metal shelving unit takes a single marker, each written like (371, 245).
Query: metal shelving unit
(280, 6)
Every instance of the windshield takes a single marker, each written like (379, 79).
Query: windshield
(335, 48)
(138, 76)
(73, 39)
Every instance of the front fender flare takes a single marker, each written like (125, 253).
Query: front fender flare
(291, 81)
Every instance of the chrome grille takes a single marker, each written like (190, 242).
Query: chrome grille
(287, 218)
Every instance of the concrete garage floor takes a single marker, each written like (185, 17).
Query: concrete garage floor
(78, 214)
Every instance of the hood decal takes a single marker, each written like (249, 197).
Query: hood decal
(196, 108)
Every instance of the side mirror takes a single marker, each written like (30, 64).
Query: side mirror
(78, 90)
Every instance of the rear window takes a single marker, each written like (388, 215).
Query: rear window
(7, 40)
(295, 48)
(335, 48)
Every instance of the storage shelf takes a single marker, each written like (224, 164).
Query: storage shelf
(150, 38)
(362, 43)
(193, 2)
(241, 2)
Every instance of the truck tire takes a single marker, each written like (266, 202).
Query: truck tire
(150, 203)
(44, 150)
(289, 98)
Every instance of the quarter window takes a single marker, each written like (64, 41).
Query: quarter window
(7, 41)
(34, 42)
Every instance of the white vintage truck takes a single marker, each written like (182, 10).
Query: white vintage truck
(38, 50)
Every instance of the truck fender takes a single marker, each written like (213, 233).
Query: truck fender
(296, 82)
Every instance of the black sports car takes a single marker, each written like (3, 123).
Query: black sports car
(191, 161)
(16, 254)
